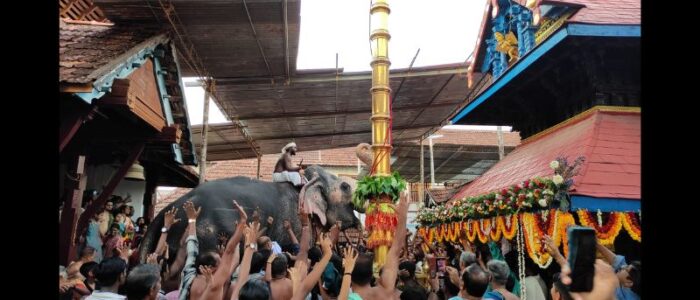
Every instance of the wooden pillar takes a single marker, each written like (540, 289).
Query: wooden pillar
(421, 193)
(149, 199)
(501, 151)
(69, 217)
(93, 208)
(205, 133)
(432, 164)
(259, 159)
(71, 122)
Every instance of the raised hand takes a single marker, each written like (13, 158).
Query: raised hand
(271, 258)
(242, 216)
(349, 258)
(207, 272)
(190, 210)
(287, 225)
(255, 227)
(256, 215)
(152, 259)
(223, 238)
(169, 217)
(249, 235)
(326, 245)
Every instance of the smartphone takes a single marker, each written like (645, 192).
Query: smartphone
(441, 264)
(582, 255)
(432, 263)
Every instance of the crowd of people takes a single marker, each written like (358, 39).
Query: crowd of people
(249, 265)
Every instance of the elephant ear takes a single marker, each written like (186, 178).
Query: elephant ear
(312, 200)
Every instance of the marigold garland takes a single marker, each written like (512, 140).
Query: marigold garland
(565, 220)
(608, 232)
(483, 236)
(381, 221)
(496, 231)
(471, 230)
(509, 232)
(454, 232)
(632, 226)
(533, 233)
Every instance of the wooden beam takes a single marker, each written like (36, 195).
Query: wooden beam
(109, 189)
(75, 88)
(329, 134)
(335, 113)
(69, 215)
(71, 123)
(148, 197)
(445, 70)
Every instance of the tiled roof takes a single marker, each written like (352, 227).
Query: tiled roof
(476, 138)
(610, 142)
(85, 49)
(607, 12)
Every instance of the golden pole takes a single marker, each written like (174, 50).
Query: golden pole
(379, 39)
(381, 114)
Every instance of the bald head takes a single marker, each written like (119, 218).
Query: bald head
(475, 280)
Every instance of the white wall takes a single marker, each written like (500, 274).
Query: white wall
(99, 176)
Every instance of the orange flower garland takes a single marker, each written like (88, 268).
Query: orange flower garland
(456, 228)
(483, 236)
(533, 234)
(565, 220)
(423, 233)
(471, 231)
(431, 234)
(508, 231)
(496, 231)
(632, 226)
(608, 232)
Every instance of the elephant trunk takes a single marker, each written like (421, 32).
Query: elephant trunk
(364, 153)
(149, 238)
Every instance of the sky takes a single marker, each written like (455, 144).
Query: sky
(444, 30)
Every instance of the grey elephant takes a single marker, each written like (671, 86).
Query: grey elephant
(328, 198)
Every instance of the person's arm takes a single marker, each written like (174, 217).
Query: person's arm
(244, 270)
(168, 222)
(607, 254)
(349, 258)
(268, 267)
(189, 270)
(553, 251)
(210, 289)
(334, 233)
(290, 232)
(392, 260)
(180, 257)
(270, 221)
(305, 237)
(312, 278)
(224, 273)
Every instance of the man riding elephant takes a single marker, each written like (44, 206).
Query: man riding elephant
(286, 170)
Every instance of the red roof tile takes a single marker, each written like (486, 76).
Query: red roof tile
(610, 142)
(607, 11)
(83, 49)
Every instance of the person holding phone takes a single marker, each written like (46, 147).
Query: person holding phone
(604, 280)
(629, 275)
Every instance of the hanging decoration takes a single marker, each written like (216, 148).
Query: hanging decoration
(606, 231)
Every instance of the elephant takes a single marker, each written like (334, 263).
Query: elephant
(328, 196)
